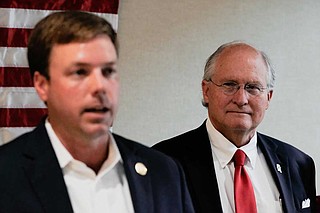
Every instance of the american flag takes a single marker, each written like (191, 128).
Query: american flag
(20, 107)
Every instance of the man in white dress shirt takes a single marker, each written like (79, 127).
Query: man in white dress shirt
(71, 162)
(237, 88)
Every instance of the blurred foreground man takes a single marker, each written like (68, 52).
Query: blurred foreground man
(71, 162)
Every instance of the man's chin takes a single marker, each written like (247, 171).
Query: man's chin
(97, 129)
(241, 126)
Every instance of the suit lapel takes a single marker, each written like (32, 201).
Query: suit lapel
(42, 168)
(200, 170)
(140, 185)
(278, 165)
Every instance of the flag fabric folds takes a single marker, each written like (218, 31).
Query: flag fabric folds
(20, 107)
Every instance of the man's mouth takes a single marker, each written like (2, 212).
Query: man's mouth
(97, 110)
(239, 112)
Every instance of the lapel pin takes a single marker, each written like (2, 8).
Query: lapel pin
(141, 169)
(279, 168)
(306, 203)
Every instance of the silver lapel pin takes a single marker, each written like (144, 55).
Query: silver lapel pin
(279, 168)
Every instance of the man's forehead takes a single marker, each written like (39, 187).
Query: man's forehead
(239, 49)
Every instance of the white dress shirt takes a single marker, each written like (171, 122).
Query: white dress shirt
(107, 191)
(266, 193)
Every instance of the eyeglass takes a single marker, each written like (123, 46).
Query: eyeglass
(231, 87)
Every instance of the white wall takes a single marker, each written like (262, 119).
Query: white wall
(163, 48)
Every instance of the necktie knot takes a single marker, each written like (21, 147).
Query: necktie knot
(239, 158)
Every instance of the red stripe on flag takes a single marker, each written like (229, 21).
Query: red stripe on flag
(15, 77)
(12, 37)
(101, 6)
(27, 117)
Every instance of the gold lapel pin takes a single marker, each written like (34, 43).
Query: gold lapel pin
(141, 169)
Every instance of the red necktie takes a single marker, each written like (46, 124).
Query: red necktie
(245, 201)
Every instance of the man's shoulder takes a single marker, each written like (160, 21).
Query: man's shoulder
(185, 137)
(39, 133)
(15, 145)
(282, 147)
(130, 147)
(190, 143)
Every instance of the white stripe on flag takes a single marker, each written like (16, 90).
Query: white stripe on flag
(29, 17)
(20, 97)
(13, 57)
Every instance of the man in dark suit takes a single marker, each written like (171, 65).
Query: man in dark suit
(237, 88)
(72, 162)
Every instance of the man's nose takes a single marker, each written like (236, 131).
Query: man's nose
(240, 97)
(98, 81)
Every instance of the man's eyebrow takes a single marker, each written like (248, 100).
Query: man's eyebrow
(84, 64)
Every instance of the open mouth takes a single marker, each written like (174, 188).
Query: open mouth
(97, 110)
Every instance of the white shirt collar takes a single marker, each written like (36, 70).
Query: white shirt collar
(224, 149)
(65, 158)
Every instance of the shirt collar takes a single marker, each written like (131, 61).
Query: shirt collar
(224, 149)
(65, 158)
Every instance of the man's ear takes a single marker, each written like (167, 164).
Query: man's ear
(269, 96)
(41, 84)
(205, 88)
(270, 93)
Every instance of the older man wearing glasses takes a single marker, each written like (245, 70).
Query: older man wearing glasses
(229, 166)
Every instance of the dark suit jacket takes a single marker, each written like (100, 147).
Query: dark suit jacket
(192, 149)
(31, 179)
